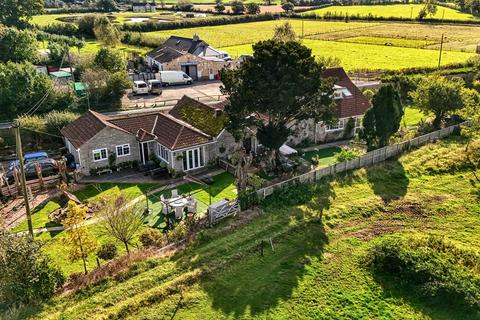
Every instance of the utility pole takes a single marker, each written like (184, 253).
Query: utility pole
(18, 140)
(69, 61)
(411, 13)
(302, 27)
(440, 55)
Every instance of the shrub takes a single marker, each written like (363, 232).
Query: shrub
(107, 251)
(434, 266)
(151, 237)
(178, 233)
(346, 154)
(56, 120)
(26, 274)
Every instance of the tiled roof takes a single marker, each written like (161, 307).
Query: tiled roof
(189, 45)
(164, 54)
(86, 127)
(356, 104)
(167, 130)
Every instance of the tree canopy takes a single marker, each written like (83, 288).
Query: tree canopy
(383, 119)
(110, 60)
(284, 32)
(282, 83)
(18, 12)
(17, 45)
(438, 95)
(106, 32)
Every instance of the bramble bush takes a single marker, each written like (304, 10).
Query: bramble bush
(436, 267)
(107, 251)
(347, 154)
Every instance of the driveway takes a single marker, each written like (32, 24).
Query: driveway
(203, 89)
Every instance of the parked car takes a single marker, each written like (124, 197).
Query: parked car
(29, 157)
(174, 77)
(48, 166)
(140, 87)
(155, 87)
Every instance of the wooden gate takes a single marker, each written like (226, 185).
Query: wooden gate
(222, 209)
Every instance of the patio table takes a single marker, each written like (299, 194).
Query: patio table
(177, 202)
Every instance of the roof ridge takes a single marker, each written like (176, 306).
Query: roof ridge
(177, 137)
(154, 124)
(185, 124)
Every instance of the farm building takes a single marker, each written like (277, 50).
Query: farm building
(144, 7)
(192, 56)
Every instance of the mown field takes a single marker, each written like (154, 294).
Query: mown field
(355, 56)
(359, 45)
(315, 241)
(395, 10)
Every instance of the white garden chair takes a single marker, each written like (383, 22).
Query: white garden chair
(174, 193)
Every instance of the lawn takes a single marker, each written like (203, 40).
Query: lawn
(313, 258)
(395, 42)
(325, 156)
(40, 217)
(356, 56)
(412, 117)
(397, 10)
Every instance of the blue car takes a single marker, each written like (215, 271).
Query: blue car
(30, 157)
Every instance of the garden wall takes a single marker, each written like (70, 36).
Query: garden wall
(365, 160)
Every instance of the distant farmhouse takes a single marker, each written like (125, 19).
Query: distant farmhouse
(192, 134)
(193, 56)
(144, 7)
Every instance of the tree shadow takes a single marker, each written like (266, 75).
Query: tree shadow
(252, 269)
(388, 180)
(434, 307)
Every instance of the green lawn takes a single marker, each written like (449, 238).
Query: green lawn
(355, 56)
(94, 191)
(326, 156)
(40, 217)
(395, 42)
(412, 117)
(396, 10)
(313, 263)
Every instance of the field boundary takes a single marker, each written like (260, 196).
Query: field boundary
(368, 159)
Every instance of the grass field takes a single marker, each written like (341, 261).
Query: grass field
(355, 56)
(396, 10)
(392, 42)
(313, 259)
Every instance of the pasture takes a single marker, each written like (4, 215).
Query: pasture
(316, 238)
(395, 10)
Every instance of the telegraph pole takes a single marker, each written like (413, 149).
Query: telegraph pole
(440, 55)
(18, 139)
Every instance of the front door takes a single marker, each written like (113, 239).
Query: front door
(145, 157)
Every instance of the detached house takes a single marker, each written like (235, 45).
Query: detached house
(193, 133)
(192, 56)
(144, 7)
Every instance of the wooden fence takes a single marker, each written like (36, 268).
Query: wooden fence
(14, 190)
(230, 168)
(367, 159)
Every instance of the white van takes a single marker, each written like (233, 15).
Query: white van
(174, 77)
(140, 87)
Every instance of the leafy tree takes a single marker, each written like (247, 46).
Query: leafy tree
(329, 61)
(17, 45)
(56, 53)
(121, 221)
(284, 32)
(184, 5)
(78, 239)
(110, 60)
(21, 86)
(430, 8)
(107, 5)
(252, 8)
(86, 25)
(34, 123)
(438, 95)
(268, 85)
(383, 119)
(56, 120)
(26, 273)
(105, 89)
(237, 7)
(219, 6)
(106, 32)
(288, 7)
(18, 12)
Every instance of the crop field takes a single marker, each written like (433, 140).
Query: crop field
(359, 45)
(395, 10)
(244, 33)
(356, 56)
(313, 264)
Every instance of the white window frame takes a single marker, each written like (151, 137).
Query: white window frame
(100, 152)
(162, 151)
(122, 146)
(192, 163)
(340, 125)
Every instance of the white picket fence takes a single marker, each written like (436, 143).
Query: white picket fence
(227, 209)
(367, 159)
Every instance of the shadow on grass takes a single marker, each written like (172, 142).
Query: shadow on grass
(254, 268)
(434, 307)
(389, 180)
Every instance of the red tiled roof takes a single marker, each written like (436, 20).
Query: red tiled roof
(167, 130)
(356, 104)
